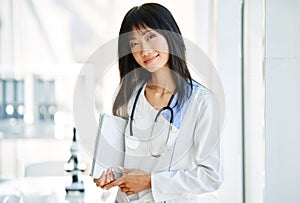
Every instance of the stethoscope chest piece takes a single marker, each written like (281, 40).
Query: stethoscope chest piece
(133, 143)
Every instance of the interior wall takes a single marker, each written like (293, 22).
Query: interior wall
(282, 101)
(254, 98)
(224, 50)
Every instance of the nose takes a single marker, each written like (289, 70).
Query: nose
(145, 49)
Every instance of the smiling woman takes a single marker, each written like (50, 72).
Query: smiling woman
(149, 48)
(173, 119)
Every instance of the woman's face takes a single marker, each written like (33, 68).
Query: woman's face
(149, 48)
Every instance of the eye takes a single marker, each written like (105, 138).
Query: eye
(133, 44)
(151, 36)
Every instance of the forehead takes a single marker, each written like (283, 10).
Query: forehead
(139, 32)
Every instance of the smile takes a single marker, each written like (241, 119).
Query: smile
(151, 59)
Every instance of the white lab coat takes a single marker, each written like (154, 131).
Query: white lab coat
(190, 167)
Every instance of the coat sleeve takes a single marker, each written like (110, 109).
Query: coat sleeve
(207, 174)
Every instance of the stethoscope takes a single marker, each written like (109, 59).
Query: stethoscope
(155, 120)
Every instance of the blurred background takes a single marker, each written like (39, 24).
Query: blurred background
(254, 46)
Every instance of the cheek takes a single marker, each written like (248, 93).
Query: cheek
(162, 45)
(137, 57)
(165, 57)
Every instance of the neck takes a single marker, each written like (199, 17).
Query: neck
(162, 81)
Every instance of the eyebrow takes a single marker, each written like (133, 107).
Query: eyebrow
(143, 33)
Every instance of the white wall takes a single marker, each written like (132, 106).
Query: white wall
(282, 101)
(228, 63)
(254, 98)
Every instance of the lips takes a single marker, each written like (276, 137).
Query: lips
(151, 59)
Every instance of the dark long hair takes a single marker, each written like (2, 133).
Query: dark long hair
(159, 18)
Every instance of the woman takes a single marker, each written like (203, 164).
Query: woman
(171, 151)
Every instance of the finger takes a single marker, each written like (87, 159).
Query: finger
(102, 178)
(127, 170)
(99, 185)
(108, 174)
(130, 193)
(107, 180)
(122, 185)
(113, 174)
(96, 181)
(109, 185)
(125, 189)
(114, 183)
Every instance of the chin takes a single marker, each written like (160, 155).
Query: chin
(152, 69)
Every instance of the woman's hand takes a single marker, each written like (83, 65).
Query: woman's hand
(133, 181)
(105, 178)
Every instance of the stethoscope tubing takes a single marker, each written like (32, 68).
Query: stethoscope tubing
(157, 115)
(155, 120)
